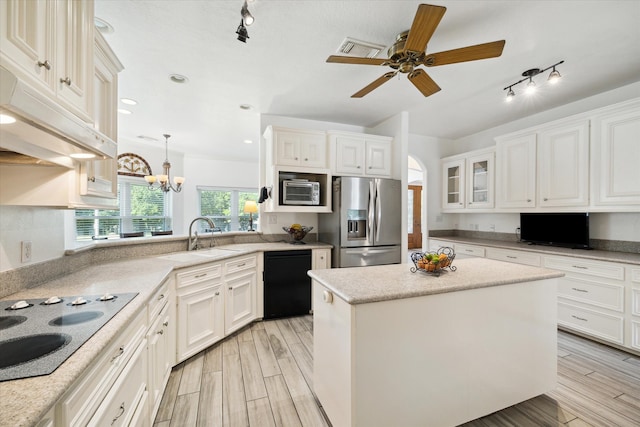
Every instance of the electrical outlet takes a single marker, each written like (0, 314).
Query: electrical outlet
(25, 250)
(273, 219)
(492, 227)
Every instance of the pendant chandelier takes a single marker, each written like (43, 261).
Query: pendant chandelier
(163, 182)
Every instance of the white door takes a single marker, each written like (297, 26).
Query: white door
(200, 320)
(240, 307)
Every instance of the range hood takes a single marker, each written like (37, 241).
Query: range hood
(44, 132)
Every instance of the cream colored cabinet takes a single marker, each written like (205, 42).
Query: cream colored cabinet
(240, 293)
(616, 156)
(81, 404)
(49, 43)
(361, 154)
(467, 181)
(453, 180)
(161, 341)
(563, 165)
(99, 177)
(295, 147)
(321, 259)
(200, 299)
(516, 171)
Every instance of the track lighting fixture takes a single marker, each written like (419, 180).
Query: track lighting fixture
(247, 17)
(242, 32)
(554, 76)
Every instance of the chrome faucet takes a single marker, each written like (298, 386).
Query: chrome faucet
(193, 241)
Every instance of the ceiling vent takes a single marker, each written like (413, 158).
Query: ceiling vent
(359, 48)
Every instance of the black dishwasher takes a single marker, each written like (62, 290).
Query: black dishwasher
(287, 288)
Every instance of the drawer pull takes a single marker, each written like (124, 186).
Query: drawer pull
(580, 290)
(217, 293)
(580, 267)
(512, 257)
(468, 250)
(197, 276)
(241, 265)
(160, 297)
(579, 318)
(120, 414)
(120, 353)
(44, 64)
(160, 332)
(66, 81)
(230, 288)
(166, 323)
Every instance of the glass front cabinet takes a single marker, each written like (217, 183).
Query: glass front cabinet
(467, 181)
(480, 181)
(453, 182)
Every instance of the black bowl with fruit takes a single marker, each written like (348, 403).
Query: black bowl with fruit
(433, 262)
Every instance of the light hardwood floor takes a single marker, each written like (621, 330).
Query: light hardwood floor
(262, 376)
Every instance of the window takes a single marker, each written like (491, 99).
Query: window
(225, 206)
(140, 210)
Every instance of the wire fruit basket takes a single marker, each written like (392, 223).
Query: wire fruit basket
(434, 263)
(297, 233)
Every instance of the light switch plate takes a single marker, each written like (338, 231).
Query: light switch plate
(25, 250)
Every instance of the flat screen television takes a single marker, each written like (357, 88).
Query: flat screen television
(556, 229)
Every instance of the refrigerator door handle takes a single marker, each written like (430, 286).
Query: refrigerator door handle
(378, 210)
(371, 214)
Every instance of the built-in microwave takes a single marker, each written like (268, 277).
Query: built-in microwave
(300, 192)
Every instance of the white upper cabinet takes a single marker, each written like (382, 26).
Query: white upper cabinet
(361, 154)
(616, 156)
(49, 44)
(563, 165)
(467, 181)
(516, 171)
(302, 148)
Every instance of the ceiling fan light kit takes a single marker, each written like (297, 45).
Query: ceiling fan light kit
(408, 52)
(553, 78)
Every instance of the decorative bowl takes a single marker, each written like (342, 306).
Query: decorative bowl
(297, 233)
(433, 262)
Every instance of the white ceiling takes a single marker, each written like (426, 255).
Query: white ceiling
(281, 70)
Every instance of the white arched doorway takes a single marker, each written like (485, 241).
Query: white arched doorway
(416, 204)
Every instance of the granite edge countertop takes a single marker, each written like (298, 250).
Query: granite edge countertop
(144, 275)
(596, 255)
(361, 285)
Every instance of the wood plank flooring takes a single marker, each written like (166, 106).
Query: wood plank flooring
(262, 376)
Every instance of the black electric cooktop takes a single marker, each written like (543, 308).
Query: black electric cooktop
(38, 335)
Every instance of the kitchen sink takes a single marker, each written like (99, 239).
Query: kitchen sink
(190, 256)
(24, 349)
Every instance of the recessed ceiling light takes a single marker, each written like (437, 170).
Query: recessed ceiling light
(103, 26)
(129, 101)
(148, 138)
(245, 107)
(178, 78)
(6, 119)
(123, 111)
(248, 141)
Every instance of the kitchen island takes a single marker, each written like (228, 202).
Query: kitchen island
(392, 347)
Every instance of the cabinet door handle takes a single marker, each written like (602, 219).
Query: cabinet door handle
(579, 318)
(217, 293)
(91, 179)
(580, 290)
(295, 158)
(230, 288)
(580, 267)
(120, 353)
(44, 64)
(120, 414)
(161, 296)
(327, 297)
(166, 323)
(528, 200)
(306, 160)
(66, 81)
(545, 199)
(358, 167)
(197, 276)
(160, 332)
(470, 202)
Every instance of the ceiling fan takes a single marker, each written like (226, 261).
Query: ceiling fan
(408, 52)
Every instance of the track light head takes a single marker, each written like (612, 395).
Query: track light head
(510, 95)
(242, 33)
(554, 76)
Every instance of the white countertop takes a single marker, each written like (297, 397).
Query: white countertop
(360, 285)
(25, 401)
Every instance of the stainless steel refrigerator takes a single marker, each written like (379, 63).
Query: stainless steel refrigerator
(365, 225)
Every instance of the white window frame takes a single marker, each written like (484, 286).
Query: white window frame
(235, 213)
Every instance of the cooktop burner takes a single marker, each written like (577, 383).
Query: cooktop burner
(38, 335)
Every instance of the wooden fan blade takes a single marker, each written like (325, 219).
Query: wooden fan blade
(423, 82)
(355, 60)
(469, 53)
(374, 84)
(424, 25)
